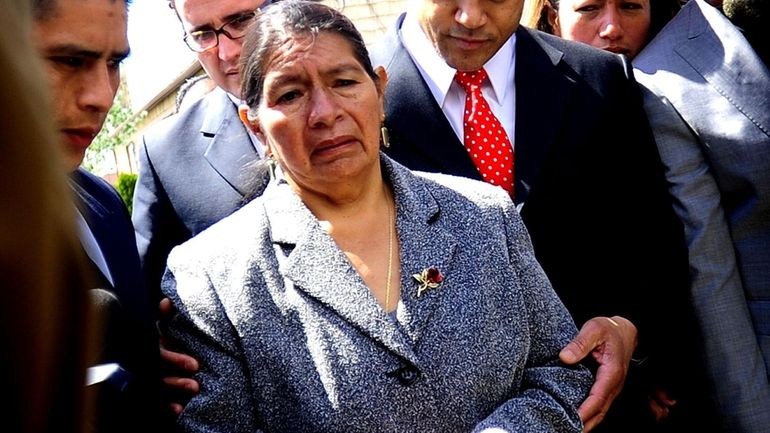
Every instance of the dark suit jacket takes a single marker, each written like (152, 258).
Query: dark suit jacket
(587, 172)
(134, 340)
(191, 175)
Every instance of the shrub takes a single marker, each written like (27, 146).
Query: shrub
(126, 185)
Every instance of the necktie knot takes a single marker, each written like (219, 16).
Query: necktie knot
(471, 80)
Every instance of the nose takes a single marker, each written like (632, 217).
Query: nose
(470, 14)
(324, 109)
(229, 50)
(98, 89)
(610, 27)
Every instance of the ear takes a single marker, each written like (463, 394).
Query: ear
(252, 123)
(381, 85)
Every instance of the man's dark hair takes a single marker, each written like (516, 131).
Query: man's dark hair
(44, 9)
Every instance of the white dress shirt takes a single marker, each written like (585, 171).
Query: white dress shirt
(254, 140)
(499, 91)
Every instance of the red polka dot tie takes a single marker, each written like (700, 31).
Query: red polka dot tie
(485, 139)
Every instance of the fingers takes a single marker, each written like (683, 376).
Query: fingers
(176, 408)
(178, 361)
(591, 335)
(166, 307)
(592, 411)
(609, 382)
(182, 384)
(661, 403)
(610, 342)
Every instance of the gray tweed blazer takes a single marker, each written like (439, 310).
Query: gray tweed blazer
(291, 340)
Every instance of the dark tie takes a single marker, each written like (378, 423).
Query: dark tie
(485, 139)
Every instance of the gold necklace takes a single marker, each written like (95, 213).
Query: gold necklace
(391, 213)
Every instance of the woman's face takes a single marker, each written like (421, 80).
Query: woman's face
(620, 26)
(320, 112)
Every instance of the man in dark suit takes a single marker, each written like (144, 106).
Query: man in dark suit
(587, 178)
(191, 165)
(82, 44)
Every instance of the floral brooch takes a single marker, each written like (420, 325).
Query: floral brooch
(429, 278)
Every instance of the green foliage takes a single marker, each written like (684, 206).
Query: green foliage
(119, 127)
(125, 186)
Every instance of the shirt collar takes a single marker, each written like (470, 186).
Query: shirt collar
(438, 75)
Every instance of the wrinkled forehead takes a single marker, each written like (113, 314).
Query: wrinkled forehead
(195, 14)
(288, 47)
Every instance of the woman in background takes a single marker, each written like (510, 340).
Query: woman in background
(620, 26)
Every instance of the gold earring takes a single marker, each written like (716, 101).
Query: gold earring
(384, 136)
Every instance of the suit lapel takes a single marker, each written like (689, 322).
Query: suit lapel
(542, 93)
(231, 147)
(94, 214)
(745, 81)
(423, 244)
(317, 267)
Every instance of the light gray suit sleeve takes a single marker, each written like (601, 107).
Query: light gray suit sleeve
(735, 364)
(202, 328)
(550, 390)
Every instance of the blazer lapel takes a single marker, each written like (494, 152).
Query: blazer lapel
(542, 93)
(746, 80)
(231, 147)
(317, 267)
(423, 244)
(95, 214)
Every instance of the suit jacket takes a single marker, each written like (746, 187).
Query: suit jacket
(709, 100)
(587, 172)
(133, 340)
(291, 340)
(190, 176)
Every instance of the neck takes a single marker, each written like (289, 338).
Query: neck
(343, 201)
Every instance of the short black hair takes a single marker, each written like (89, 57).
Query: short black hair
(44, 9)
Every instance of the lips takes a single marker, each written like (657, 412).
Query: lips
(468, 43)
(618, 50)
(80, 137)
(330, 145)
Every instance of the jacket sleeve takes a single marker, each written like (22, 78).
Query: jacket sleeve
(550, 391)
(202, 329)
(158, 228)
(731, 352)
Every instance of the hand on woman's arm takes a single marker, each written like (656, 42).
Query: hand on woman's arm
(178, 367)
(611, 343)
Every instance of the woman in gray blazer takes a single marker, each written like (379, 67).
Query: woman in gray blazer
(354, 295)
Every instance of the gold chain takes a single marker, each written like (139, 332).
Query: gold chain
(390, 254)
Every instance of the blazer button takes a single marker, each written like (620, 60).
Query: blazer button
(406, 375)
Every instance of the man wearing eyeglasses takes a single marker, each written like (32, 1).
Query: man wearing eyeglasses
(191, 164)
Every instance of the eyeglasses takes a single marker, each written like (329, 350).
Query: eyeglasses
(202, 40)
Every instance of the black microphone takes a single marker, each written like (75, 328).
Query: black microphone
(108, 313)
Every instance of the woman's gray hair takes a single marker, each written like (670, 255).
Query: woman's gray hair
(279, 22)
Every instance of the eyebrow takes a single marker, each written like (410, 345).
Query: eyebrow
(225, 20)
(296, 77)
(78, 51)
